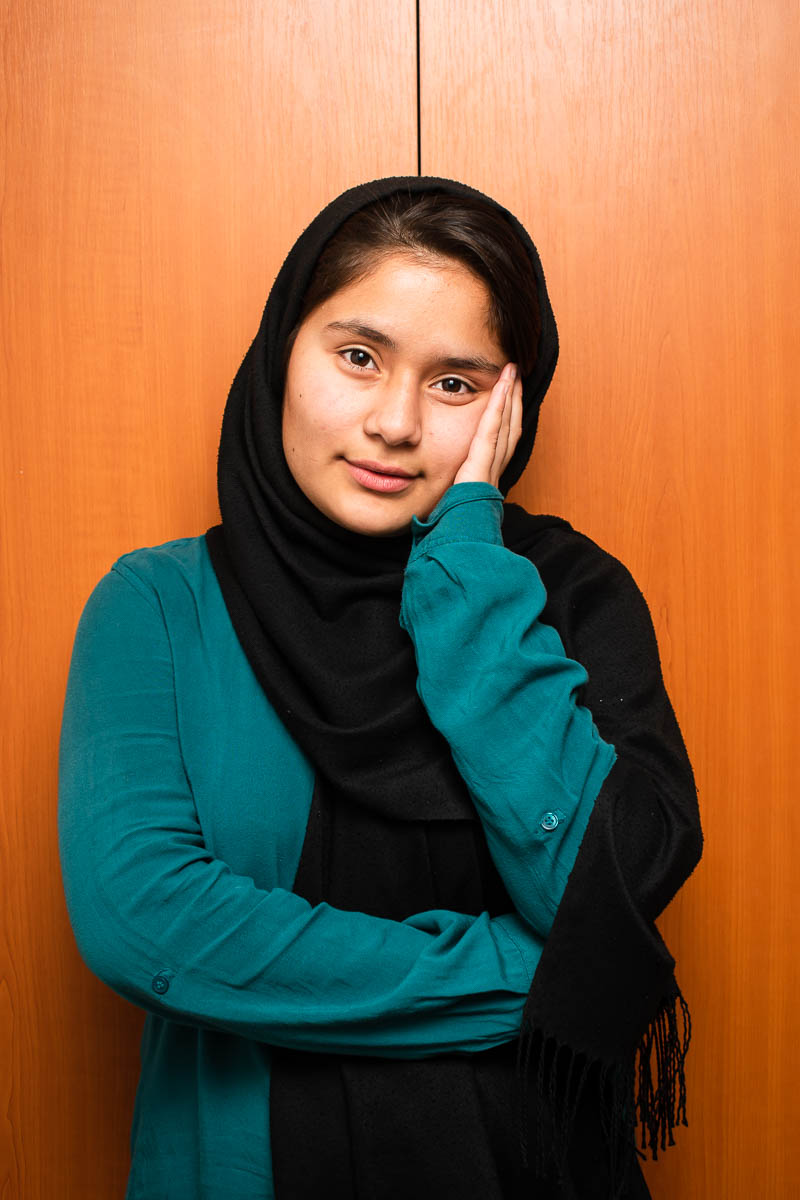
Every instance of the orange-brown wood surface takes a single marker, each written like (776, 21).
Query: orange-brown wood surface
(651, 150)
(158, 162)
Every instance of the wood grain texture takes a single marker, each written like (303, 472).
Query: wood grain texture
(159, 161)
(651, 151)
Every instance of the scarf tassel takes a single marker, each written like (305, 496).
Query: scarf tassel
(648, 1091)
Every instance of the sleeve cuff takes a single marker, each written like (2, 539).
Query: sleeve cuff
(458, 518)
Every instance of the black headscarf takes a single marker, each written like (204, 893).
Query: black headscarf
(392, 830)
(315, 605)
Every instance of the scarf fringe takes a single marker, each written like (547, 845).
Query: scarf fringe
(649, 1090)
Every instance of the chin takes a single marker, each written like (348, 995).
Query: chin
(377, 529)
(372, 524)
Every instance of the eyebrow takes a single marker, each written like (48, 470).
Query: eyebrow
(367, 333)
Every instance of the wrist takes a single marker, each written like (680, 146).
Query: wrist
(468, 511)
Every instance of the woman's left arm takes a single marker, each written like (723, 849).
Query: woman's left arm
(499, 684)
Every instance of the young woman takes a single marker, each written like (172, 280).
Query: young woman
(371, 797)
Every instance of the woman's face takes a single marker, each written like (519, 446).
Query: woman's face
(385, 385)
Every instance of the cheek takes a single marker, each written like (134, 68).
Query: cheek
(311, 415)
(291, 427)
(317, 401)
(450, 437)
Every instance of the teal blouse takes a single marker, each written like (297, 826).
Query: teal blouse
(182, 814)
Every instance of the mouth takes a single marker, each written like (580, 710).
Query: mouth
(379, 477)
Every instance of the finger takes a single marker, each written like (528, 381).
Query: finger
(502, 455)
(515, 423)
(480, 461)
(483, 451)
(502, 439)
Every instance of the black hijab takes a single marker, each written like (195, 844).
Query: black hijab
(392, 830)
(288, 572)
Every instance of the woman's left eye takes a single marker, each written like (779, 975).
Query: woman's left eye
(360, 358)
(457, 389)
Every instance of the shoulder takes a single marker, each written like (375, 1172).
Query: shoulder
(187, 557)
(171, 580)
(178, 567)
(593, 599)
(568, 561)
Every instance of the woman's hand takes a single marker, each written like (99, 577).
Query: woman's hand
(498, 432)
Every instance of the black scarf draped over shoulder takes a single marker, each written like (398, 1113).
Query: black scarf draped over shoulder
(392, 830)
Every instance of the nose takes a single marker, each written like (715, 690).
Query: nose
(395, 414)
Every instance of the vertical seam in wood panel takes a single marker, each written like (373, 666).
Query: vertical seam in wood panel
(419, 105)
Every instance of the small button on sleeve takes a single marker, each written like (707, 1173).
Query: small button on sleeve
(160, 984)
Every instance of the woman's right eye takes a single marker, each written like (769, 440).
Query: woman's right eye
(360, 358)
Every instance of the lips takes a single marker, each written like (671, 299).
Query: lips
(380, 468)
(379, 477)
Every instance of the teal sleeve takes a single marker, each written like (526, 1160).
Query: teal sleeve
(176, 931)
(497, 683)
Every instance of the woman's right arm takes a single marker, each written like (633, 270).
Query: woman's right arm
(176, 931)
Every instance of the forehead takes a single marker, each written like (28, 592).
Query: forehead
(411, 299)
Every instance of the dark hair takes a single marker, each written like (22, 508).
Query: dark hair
(444, 226)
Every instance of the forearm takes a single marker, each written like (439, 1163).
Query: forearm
(498, 684)
(269, 966)
(175, 930)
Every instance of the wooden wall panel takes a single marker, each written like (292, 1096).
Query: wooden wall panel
(651, 149)
(159, 160)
